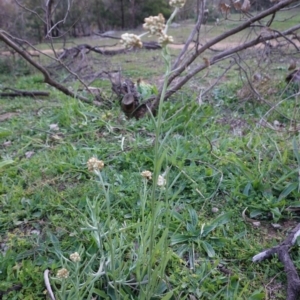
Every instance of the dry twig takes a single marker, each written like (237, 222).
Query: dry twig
(47, 283)
(282, 250)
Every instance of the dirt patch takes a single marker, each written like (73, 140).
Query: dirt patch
(7, 116)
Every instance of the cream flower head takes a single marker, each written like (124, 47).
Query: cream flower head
(75, 257)
(95, 164)
(62, 273)
(147, 174)
(155, 25)
(131, 40)
(165, 39)
(161, 181)
(177, 3)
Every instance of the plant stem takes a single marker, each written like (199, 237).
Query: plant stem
(157, 161)
(109, 235)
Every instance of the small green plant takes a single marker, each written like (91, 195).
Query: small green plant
(15, 67)
(148, 264)
(52, 206)
(199, 236)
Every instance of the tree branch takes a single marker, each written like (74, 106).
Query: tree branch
(224, 55)
(47, 77)
(190, 38)
(22, 93)
(282, 250)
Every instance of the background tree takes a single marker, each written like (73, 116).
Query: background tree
(77, 18)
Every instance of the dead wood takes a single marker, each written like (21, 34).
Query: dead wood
(130, 101)
(185, 60)
(47, 78)
(294, 76)
(75, 51)
(282, 251)
(23, 93)
(129, 97)
(152, 45)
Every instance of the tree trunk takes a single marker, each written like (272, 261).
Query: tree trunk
(122, 15)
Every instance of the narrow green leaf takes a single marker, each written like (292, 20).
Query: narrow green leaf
(255, 213)
(285, 156)
(288, 189)
(296, 151)
(100, 293)
(247, 189)
(190, 227)
(167, 296)
(25, 254)
(177, 215)
(208, 249)
(179, 238)
(258, 295)
(285, 177)
(55, 242)
(161, 287)
(5, 163)
(193, 216)
(220, 220)
(4, 133)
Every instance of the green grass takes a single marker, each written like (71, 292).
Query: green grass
(217, 160)
(283, 20)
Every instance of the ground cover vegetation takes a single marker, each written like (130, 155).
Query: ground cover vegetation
(172, 206)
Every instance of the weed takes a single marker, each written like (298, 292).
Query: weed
(136, 239)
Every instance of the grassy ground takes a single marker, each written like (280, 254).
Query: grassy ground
(283, 20)
(218, 162)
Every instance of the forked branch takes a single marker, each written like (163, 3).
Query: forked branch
(282, 251)
(185, 60)
(47, 78)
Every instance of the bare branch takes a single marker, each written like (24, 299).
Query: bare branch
(282, 250)
(47, 78)
(193, 33)
(30, 11)
(221, 56)
(228, 34)
(48, 286)
(22, 93)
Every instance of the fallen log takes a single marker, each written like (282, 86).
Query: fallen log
(23, 93)
(75, 51)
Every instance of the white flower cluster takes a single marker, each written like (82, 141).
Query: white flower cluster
(147, 174)
(95, 164)
(177, 3)
(155, 25)
(62, 273)
(75, 257)
(165, 39)
(161, 181)
(131, 40)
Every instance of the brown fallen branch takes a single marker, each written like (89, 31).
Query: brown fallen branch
(152, 45)
(23, 93)
(282, 251)
(75, 51)
(47, 78)
(129, 97)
